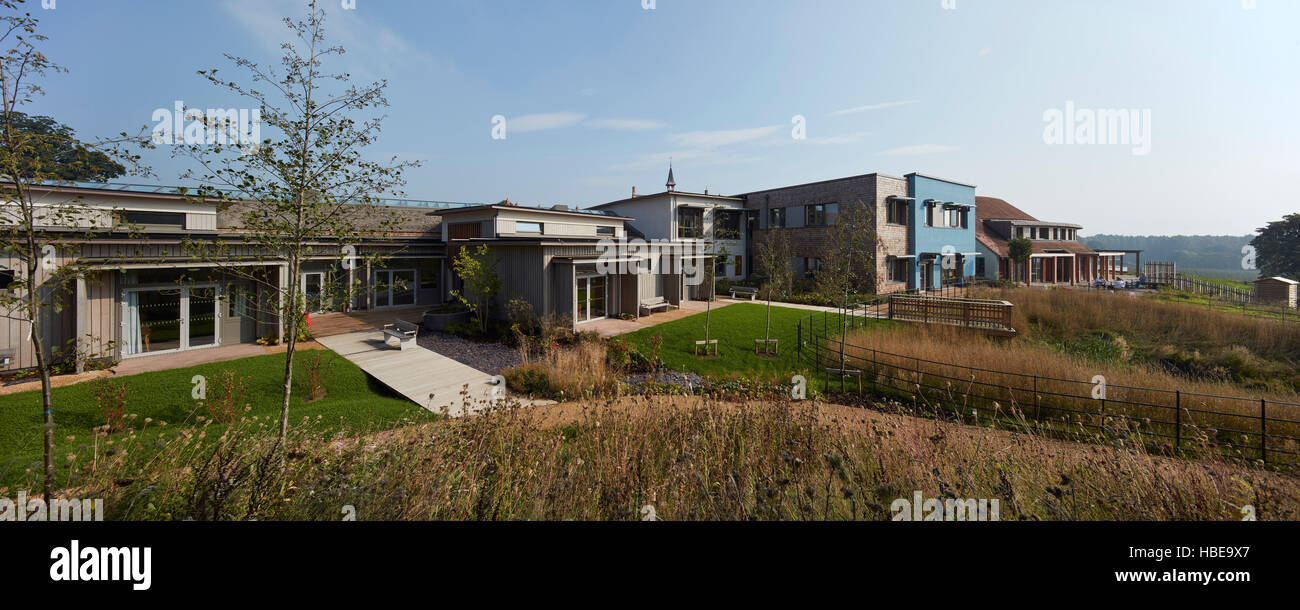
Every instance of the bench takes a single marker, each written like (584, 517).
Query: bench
(744, 291)
(405, 333)
(653, 303)
(842, 373)
(767, 347)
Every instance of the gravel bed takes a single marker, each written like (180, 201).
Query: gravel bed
(685, 380)
(491, 358)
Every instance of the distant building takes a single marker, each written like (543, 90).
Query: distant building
(1058, 257)
(1277, 291)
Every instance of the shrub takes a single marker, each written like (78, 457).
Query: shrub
(110, 397)
(531, 379)
(316, 365)
(227, 404)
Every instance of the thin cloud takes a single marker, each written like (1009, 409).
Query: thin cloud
(848, 138)
(713, 139)
(871, 107)
(918, 149)
(543, 121)
(626, 124)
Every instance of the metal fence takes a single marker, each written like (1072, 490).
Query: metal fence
(1249, 428)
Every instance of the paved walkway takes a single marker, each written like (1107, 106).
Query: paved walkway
(611, 327)
(427, 378)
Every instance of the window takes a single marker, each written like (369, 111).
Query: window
(528, 227)
(979, 265)
(690, 223)
(607, 231)
(726, 224)
(820, 214)
(1020, 231)
(1037, 269)
(161, 220)
(897, 269)
(929, 214)
(812, 265)
(776, 218)
(897, 213)
(430, 271)
(7, 280)
(739, 268)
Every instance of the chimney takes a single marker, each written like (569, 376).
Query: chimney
(634, 192)
(706, 191)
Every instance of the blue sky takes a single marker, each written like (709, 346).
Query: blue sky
(598, 94)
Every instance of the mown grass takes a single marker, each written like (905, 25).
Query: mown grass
(352, 399)
(678, 458)
(735, 327)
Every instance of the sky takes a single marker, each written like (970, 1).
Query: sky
(598, 95)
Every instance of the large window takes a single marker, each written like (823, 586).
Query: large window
(812, 265)
(528, 227)
(979, 266)
(897, 269)
(954, 218)
(1037, 269)
(929, 214)
(152, 220)
(820, 214)
(690, 223)
(726, 224)
(898, 212)
(776, 218)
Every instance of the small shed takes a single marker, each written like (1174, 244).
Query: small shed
(1277, 291)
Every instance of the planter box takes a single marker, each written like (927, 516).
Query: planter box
(439, 321)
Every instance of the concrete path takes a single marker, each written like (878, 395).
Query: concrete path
(427, 378)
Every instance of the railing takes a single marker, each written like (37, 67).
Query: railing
(1249, 428)
(968, 313)
(1209, 289)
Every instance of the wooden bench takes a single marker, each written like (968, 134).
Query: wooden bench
(744, 291)
(767, 347)
(842, 373)
(405, 333)
(653, 303)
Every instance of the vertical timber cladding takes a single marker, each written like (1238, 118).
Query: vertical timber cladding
(59, 328)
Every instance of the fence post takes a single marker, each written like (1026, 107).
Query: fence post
(1263, 431)
(799, 344)
(1036, 414)
(875, 375)
(1178, 420)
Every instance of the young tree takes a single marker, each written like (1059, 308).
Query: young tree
(1021, 251)
(41, 231)
(848, 261)
(303, 193)
(478, 271)
(774, 259)
(1277, 248)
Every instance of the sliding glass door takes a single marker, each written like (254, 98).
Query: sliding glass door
(158, 320)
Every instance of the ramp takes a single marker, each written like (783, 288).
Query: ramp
(427, 378)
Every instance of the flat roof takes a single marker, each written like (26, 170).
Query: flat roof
(180, 192)
(571, 211)
(919, 174)
(661, 194)
(795, 186)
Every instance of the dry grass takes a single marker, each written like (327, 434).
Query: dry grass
(690, 458)
(1137, 388)
(566, 372)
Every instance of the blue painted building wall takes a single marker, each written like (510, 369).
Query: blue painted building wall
(925, 241)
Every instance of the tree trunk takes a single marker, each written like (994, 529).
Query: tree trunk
(290, 342)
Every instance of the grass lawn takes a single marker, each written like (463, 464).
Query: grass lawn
(735, 326)
(353, 399)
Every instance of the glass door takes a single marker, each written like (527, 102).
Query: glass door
(394, 288)
(201, 318)
(156, 320)
(591, 298)
(313, 290)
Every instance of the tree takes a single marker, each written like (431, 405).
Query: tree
(40, 233)
(774, 259)
(304, 193)
(478, 271)
(1020, 250)
(848, 261)
(1277, 248)
(58, 153)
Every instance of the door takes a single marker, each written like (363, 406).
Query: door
(395, 287)
(925, 276)
(593, 294)
(157, 320)
(313, 290)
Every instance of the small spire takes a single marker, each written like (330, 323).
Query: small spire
(672, 184)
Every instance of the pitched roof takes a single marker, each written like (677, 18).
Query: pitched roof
(992, 208)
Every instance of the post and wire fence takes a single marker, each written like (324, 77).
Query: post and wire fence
(1250, 428)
